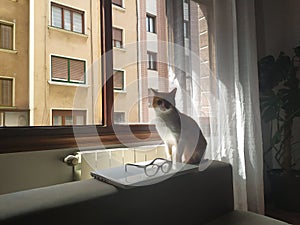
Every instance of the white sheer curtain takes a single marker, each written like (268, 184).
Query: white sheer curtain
(235, 132)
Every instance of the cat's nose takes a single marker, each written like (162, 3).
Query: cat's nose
(159, 102)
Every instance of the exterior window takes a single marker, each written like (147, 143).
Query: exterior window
(68, 117)
(151, 61)
(118, 2)
(13, 118)
(119, 80)
(119, 117)
(67, 70)
(6, 36)
(186, 29)
(6, 92)
(150, 24)
(117, 36)
(67, 18)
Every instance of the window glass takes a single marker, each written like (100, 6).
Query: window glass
(6, 89)
(118, 80)
(150, 24)
(67, 19)
(170, 58)
(6, 35)
(70, 70)
(57, 121)
(56, 17)
(118, 2)
(117, 36)
(77, 22)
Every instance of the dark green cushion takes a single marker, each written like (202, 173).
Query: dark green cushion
(245, 218)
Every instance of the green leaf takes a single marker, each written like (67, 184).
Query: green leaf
(276, 138)
(269, 114)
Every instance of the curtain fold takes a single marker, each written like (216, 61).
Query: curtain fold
(235, 131)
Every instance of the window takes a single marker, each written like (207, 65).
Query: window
(6, 92)
(6, 36)
(186, 29)
(67, 18)
(14, 118)
(117, 38)
(119, 117)
(67, 70)
(119, 80)
(118, 2)
(68, 117)
(150, 23)
(139, 68)
(151, 60)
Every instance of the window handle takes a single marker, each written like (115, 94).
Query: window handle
(72, 160)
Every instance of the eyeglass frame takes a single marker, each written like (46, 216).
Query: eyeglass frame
(152, 163)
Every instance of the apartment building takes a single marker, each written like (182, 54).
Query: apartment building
(58, 77)
(65, 77)
(126, 85)
(14, 63)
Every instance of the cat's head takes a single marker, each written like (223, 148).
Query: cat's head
(163, 102)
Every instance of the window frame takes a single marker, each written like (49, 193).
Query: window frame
(12, 92)
(151, 60)
(68, 112)
(72, 10)
(115, 41)
(13, 25)
(69, 80)
(53, 138)
(150, 17)
(123, 80)
(116, 4)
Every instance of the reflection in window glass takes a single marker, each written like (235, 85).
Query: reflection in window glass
(173, 57)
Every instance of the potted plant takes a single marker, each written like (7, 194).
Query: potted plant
(280, 105)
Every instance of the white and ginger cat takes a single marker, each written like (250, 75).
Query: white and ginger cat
(177, 129)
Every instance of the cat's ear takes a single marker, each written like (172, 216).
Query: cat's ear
(173, 92)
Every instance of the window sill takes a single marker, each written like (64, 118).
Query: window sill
(8, 51)
(24, 139)
(120, 91)
(120, 49)
(117, 7)
(67, 31)
(8, 107)
(67, 84)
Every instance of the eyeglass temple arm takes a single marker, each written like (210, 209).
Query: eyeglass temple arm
(131, 164)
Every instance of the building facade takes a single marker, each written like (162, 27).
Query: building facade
(14, 63)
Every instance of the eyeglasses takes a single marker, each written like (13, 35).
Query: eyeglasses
(152, 168)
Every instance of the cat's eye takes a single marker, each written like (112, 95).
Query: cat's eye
(159, 102)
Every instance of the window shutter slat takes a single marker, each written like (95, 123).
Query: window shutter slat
(59, 68)
(117, 34)
(6, 92)
(118, 80)
(77, 70)
(118, 2)
(6, 36)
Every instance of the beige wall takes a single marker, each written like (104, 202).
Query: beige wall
(15, 63)
(51, 41)
(126, 59)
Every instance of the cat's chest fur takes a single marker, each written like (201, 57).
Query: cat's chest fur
(168, 129)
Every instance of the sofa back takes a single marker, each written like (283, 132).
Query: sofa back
(192, 198)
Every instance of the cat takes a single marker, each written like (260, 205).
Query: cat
(177, 129)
